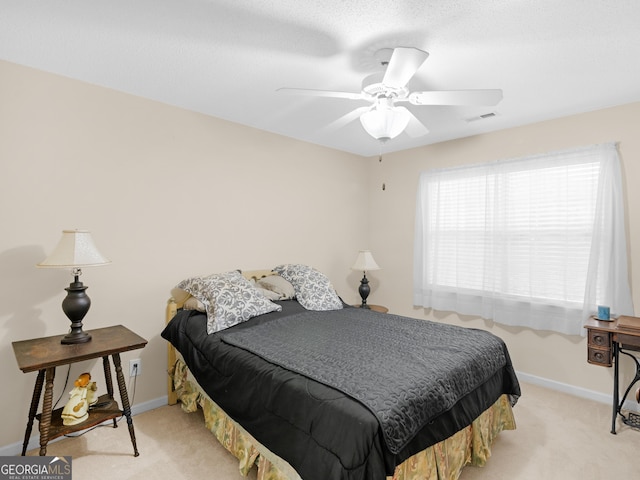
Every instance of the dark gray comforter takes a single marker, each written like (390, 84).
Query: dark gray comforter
(321, 431)
(406, 371)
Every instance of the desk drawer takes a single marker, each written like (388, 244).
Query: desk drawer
(600, 356)
(599, 339)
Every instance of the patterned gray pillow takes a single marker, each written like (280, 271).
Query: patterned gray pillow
(313, 289)
(229, 299)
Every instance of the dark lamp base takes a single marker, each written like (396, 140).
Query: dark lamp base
(76, 305)
(75, 337)
(364, 290)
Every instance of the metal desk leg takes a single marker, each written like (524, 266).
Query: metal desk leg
(616, 393)
(47, 405)
(629, 418)
(35, 400)
(126, 408)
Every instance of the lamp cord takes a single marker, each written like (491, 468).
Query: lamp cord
(64, 389)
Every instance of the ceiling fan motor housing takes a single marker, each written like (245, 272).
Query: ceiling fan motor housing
(372, 85)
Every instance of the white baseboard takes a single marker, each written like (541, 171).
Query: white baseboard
(576, 391)
(150, 405)
(34, 442)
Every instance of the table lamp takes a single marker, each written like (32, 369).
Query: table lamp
(75, 251)
(366, 263)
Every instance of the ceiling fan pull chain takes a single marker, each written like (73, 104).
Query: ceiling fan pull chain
(384, 185)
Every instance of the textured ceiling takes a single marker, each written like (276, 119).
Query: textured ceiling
(227, 58)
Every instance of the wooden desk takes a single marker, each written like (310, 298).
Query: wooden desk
(605, 342)
(45, 354)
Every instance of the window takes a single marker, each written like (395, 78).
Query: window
(536, 242)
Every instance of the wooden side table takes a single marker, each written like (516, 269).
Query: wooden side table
(376, 308)
(606, 340)
(45, 354)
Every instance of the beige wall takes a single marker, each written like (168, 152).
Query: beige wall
(167, 193)
(554, 357)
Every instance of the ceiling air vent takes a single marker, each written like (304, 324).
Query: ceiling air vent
(484, 116)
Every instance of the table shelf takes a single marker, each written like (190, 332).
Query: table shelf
(108, 410)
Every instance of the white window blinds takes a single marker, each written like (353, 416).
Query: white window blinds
(535, 242)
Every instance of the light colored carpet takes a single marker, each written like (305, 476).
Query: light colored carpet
(559, 437)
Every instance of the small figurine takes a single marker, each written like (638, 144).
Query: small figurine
(81, 397)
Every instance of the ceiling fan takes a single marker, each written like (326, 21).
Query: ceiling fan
(383, 119)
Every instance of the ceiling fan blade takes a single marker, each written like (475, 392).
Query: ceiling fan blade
(322, 93)
(415, 128)
(457, 97)
(346, 119)
(404, 63)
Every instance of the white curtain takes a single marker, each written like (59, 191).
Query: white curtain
(537, 242)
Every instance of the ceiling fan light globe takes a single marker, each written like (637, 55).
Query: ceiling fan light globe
(385, 123)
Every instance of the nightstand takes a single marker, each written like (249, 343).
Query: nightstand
(375, 308)
(45, 354)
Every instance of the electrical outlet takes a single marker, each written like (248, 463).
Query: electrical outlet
(135, 367)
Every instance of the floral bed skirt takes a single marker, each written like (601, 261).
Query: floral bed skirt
(442, 461)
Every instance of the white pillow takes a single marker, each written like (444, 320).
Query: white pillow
(179, 295)
(278, 285)
(228, 298)
(266, 293)
(184, 298)
(269, 294)
(313, 289)
(192, 303)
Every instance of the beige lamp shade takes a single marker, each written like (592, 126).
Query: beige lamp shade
(75, 250)
(365, 262)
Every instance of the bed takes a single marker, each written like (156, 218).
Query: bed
(333, 391)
